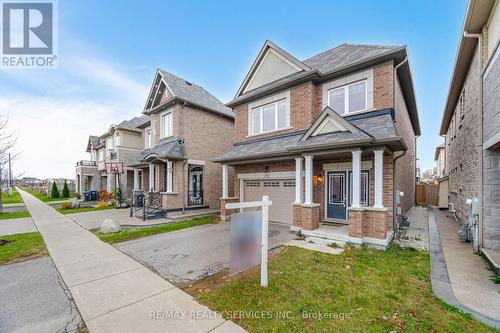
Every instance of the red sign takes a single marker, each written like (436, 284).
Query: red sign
(114, 167)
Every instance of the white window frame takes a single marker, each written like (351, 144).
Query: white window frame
(260, 109)
(165, 134)
(346, 96)
(100, 155)
(147, 138)
(110, 144)
(117, 138)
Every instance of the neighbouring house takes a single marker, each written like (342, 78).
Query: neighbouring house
(441, 175)
(188, 128)
(330, 139)
(122, 143)
(471, 121)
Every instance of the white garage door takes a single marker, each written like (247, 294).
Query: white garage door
(280, 191)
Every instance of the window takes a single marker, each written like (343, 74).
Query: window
(364, 187)
(290, 183)
(349, 98)
(270, 117)
(101, 154)
(147, 138)
(92, 155)
(109, 145)
(117, 138)
(166, 125)
(252, 184)
(271, 184)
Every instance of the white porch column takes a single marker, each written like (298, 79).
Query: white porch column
(379, 178)
(356, 178)
(151, 177)
(109, 179)
(136, 180)
(225, 180)
(298, 180)
(308, 181)
(170, 177)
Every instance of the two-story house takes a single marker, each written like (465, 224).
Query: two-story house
(330, 139)
(120, 143)
(188, 127)
(471, 122)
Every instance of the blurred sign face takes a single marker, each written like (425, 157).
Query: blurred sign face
(245, 240)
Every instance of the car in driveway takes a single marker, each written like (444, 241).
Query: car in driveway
(191, 254)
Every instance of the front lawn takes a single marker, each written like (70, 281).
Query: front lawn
(9, 199)
(83, 209)
(14, 215)
(129, 234)
(43, 197)
(20, 247)
(360, 290)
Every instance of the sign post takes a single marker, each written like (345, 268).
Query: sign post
(264, 205)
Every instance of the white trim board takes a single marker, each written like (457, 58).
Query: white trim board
(346, 166)
(267, 175)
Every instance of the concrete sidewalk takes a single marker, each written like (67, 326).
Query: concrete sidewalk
(113, 292)
(459, 276)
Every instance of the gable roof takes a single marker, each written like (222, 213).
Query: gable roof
(438, 148)
(372, 128)
(336, 62)
(329, 114)
(184, 91)
(93, 142)
(477, 14)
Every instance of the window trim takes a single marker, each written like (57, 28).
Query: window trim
(147, 138)
(170, 125)
(345, 87)
(261, 115)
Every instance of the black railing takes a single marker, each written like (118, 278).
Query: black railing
(86, 163)
(149, 202)
(195, 198)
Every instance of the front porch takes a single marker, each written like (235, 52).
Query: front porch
(344, 196)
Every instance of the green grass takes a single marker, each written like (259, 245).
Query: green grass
(129, 234)
(43, 197)
(14, 215)
(22, 247)
(373, 291)
(83, 209)
(9, 199)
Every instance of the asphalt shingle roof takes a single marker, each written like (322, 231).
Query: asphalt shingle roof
(134, 123)
(169, 148)
(373, 127)
(193, 93)
(345, 55)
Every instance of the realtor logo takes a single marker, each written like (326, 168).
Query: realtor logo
(28, 34)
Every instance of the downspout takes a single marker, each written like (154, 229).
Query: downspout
(394, 217)
(181, 134)
(480, 77)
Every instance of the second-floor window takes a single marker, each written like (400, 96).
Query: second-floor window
(101, 154)
(147, 138)
(166, 125)
(269, 117)
(348, 98)
(109, 145)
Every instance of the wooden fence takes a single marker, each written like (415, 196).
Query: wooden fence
(427, 195)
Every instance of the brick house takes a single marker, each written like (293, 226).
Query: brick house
(471, 121)
(330, 139)
(120, 143)
(188, 127)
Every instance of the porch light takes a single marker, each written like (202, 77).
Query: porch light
(319, 179)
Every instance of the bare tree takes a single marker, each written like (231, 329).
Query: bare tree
(7, 141)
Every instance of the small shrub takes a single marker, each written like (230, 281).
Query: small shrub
(102, 203)
(333, 245)
(76, 195)
(54, 192)
(105, 195)
(118, 194)
(66, 205)
(65, 190)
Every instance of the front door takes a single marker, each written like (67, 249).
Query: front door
(336, 203)
(195, 195)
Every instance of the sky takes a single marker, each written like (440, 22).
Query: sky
(108, 54)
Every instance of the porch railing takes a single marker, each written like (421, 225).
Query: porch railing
(195, 198)
(86, 163)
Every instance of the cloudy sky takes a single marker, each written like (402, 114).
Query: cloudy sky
(108, 54)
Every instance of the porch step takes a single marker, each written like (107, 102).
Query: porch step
(324, 241)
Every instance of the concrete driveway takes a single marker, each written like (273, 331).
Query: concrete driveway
(187, 255)
(16, 226)
(34, 299)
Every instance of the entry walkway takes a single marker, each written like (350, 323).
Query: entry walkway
(459, 276)
(113, 292)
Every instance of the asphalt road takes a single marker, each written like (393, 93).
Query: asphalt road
(33, 298)
(191, 254)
